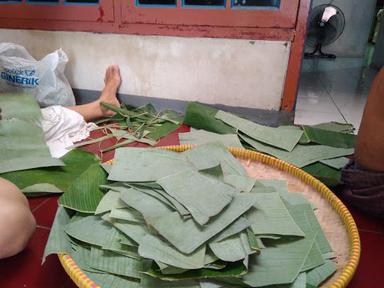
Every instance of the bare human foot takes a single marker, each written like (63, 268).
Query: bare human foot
(112, 82)
(93, 111)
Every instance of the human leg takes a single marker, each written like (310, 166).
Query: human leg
(364, 177)
(17, 223)
(92, 111)
(370, 139)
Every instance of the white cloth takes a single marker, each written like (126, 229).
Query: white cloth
(62, 127)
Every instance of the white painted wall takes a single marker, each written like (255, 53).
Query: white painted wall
(239, 73)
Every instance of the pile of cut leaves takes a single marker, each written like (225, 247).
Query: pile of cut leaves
(157, 218)
(135, 124)
(319, 150)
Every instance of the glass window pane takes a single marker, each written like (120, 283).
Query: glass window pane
(83, 1)
(256, 3)
(204, 2)
(44, 1)
(156, 2)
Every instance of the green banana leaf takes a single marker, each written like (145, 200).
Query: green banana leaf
(316, 276)
(336, 163)
(111, 262)
(150, 282)
(213, 154)
(329, 138)
(329, 176)
(198, 137)
(22, 146)
(76, 162)
(152, 247)
(189, 187)
(279, 137)
(41, 188)
(20, 106)
(84, 193)
(187, 235)
(58, 240)
(301, 155)
(232, 249)
(110, 200)
(336, 127)
(138, 164)
(270, 216)
(90, 229)
(201, 116)
(232, 270)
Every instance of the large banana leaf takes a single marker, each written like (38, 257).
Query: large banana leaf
(199, 137)
(84, 193)
(76, 162)
(316, 276)
(58, 241)
(279, 137)
(203, 117)
(232, 270)
(152, 247)
(138, 164)
(190, 187)
(329, 138)
(22, 146)
(336, 163)
(213, 154)
(20, 106)
(111, 262)
(336, 127)
(270, 216)
(232, 249)
(301, 155)
(329, 176)
(187, 235)
(91, 230)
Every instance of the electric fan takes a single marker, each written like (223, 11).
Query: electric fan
(325, 25)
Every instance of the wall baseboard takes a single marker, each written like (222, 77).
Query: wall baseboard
(261, 116)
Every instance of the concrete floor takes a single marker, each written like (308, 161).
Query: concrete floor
(333, 90)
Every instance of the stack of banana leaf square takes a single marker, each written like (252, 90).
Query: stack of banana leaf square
(157, 218)
(320, 150)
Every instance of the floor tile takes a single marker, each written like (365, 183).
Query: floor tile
(354, 118)
(35, 203)
(341, 80)
(315, 117)
(171, 139)
(346, 83)
(317, 102)
(310, 81)
(45, 214)
(323, 65)
(367, 223)
(25, 269)
(370, 270)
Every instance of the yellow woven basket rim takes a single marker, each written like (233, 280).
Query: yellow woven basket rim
(83, 281)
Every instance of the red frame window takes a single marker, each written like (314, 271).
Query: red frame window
(286, 23)
(282, 17)
(60, 11)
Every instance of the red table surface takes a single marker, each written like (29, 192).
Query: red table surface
(25, 270)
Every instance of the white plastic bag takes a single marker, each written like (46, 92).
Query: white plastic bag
(44, 79)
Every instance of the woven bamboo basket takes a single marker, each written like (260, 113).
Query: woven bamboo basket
(334, 217)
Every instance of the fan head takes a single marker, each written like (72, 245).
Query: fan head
(325, 25)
